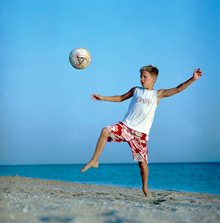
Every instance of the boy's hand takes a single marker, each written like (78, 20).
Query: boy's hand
(96, 97)
(197, 74)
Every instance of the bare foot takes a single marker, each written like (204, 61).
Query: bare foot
(89, 165)
(147, 194)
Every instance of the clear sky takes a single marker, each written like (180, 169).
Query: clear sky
(46, 112)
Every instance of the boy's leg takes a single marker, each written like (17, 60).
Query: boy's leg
(99, 147)
(144, 176)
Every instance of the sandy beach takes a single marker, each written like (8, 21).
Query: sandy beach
(36, 200)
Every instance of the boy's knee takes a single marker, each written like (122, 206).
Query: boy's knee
(143, 165)
(105, 132)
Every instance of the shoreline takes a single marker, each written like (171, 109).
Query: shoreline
(24, 199)
(113, 185)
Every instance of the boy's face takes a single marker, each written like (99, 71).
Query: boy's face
(147, 81)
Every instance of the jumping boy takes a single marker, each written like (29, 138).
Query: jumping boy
(135, 127)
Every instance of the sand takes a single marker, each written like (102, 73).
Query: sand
(36, 200)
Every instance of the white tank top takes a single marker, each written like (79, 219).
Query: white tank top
(141, 110)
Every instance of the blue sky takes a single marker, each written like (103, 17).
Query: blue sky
(47, 115)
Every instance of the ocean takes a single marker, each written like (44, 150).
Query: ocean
(186, 177)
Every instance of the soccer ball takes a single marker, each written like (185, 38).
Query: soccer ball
(80, 58)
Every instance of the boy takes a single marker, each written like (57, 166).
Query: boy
(135, 127)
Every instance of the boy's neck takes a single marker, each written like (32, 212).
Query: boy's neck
(149, 88)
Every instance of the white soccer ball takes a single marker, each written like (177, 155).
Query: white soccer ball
(80, 58)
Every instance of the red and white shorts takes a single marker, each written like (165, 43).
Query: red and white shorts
(136, 140)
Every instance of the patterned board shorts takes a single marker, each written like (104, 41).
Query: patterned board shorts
(136, 140)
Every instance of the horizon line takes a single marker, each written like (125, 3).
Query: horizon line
(56, 164)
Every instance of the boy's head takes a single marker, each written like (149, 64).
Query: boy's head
(153, 71)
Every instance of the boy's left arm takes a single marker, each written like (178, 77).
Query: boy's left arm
(170, 92)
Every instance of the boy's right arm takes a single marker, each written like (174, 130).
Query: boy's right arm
(117, 98)
(172, 91)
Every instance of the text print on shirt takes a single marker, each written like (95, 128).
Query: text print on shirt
(143, 100)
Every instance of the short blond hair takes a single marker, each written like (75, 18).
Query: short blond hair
(151, 69)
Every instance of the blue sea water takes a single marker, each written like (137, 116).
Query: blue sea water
(189, 177)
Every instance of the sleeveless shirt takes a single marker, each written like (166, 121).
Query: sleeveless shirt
(141, 110)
